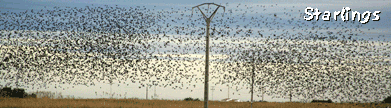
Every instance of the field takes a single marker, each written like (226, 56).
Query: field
(135, 103)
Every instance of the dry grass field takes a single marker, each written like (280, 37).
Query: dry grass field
(135, 103)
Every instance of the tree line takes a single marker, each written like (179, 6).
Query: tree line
(16, 92)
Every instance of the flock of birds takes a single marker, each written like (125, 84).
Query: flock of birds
(166, 48)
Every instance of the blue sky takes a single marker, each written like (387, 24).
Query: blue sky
(382, 28)
(327, 5)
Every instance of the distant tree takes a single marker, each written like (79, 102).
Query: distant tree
(387, 100)
(188, 99)
(262, 101)
(33, 95)
(322, 101)
(5, 92)
(48, 94)
(18, 93)
(191, 99)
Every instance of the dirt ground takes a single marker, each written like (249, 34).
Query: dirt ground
(135, 103)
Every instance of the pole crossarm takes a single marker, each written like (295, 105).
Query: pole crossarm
(205, 17)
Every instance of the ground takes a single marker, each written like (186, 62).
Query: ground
(135, 103)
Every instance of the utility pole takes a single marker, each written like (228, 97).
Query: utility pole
(213, 88)
(111, 81)
(17, 75)
(324, 92)
(154, 95)
(263, 92)
(146, 92)
(228, 90)
(207, 20)
(290, 94)
(111, 84)
(252, 81)
(252, 76)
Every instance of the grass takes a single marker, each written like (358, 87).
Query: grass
(136, 103)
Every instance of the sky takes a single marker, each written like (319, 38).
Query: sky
(133, 90)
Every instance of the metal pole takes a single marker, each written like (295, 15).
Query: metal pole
(207, 20)
(228, 91)
(207, 65)
(263, 92)
(111, 96)
(323, 92)
(146, 92)
(111, 81)
(290, 94)
(155, 95)
(213, 88)
(252, 81)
